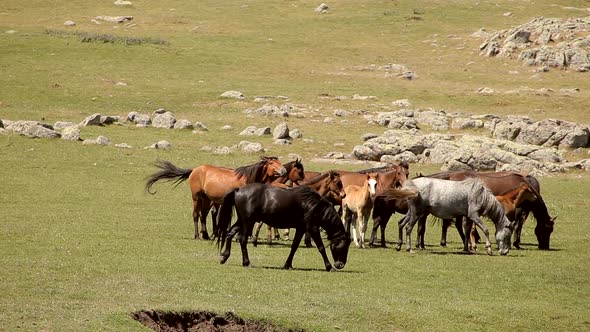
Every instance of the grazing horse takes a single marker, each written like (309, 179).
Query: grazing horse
(300, 207)
(327, 184)
(209, 183)
(359, 202)
(450, 199)
(501, 182)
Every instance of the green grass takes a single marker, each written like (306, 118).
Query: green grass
(83, 246)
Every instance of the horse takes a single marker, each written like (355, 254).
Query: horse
(295, 173)
(501, 182)
(327, 184)
(510, 201)
(209, 183)
(299, 207)
(359, 202)
(450, 199)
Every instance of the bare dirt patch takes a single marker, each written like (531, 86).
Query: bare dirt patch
(197, 321)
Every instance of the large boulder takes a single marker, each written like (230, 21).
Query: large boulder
(33, 129)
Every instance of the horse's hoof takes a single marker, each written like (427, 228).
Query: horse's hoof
(398, 248)
(287, 267)
(489, 251)
(206, 236)
(223, 259)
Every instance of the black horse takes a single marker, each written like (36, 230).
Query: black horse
(300, 207)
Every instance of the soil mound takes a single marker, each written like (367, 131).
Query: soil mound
(201, 321)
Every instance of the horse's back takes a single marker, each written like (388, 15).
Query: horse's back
(277, 207)
(213, 181)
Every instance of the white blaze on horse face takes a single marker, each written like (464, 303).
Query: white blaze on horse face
(372, 185)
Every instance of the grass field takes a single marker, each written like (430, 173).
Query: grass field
(83, 246)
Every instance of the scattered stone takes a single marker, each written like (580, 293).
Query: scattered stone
(108, 119)
(32, 129)
(114, 19)
(71, 133)
(281, 131)
(283, 141)
(183, 124)
(404, 103)
(162, 145)
(91, 120)
(328, 120)
(368, 136)
(199, 126)
(232, 94)
(123, 146)
(322, 8)
(69, 23)
(123, 3)
(121, 84)
(59, 125)
(227, 127)
(164, 120)
(250, 147)
(100, 140)
(295, 134)
(341, 113)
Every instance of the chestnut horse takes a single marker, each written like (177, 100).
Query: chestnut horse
(502, 182)
(209, 183)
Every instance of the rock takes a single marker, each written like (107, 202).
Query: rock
(114, 19)
(123, 146)
(199, 126)
(71, 133)
(227, 127)
(295, 134)
(123, 3)
(232, 94)
(32, 129)
(91, 120)
(183, 124)
(461, 123)
(163, 145)
(322, 8)
(164, 120)
(250, 147)
(100, 140)
(281, 131)
(108, 119)
(401, 103)
(60, 125)
(69, 23)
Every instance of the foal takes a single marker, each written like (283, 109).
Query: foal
(359, 202)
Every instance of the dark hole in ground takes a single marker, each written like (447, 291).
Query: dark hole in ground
(197, 321)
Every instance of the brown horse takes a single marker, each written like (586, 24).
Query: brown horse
(327, 184)
(209, 183)
(359, 202)
(510, 201)
(502, 182)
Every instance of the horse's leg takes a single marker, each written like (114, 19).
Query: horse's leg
(214, 212)
(232, 232)
(269, 232)
(446, 223)
(205, 208)
(409, 227)
(196, 211)
(475, 218)
(520, 216)
(296, 240)
(459, 226)
(401, 223)
(244, 245)
(421, 232)
(363, 220)
(353, 227)
(256, 232)
(320, 245)
(466, 241)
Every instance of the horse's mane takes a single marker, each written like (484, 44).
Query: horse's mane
(481, 195)
(319, 177)
(253, 173)
(383, 169)
(319, 208)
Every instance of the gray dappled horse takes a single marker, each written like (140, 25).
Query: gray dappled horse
(449, 199)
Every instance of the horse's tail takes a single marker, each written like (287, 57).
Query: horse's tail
(394, 193)
(224, 216)
(168, 172)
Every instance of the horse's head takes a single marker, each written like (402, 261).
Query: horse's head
(335, 184)
(273, 167)
(339, 248)
(503, 236)
(401, 173)
(372, 179)
(543, 233)
(295, 173)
